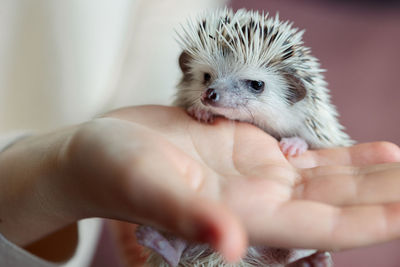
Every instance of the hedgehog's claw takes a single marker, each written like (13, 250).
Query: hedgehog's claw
(293, 146)
(169, 249)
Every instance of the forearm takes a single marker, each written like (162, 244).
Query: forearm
(31, 202)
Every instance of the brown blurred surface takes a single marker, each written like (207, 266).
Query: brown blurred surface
(359, 46)
(45, 249)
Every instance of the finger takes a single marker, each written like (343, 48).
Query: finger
(215, 225)
(359, 155)
(201, 220)
(171, 193)
(305, 224)
(345, 185)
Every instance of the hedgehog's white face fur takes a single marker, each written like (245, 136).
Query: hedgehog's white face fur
(250, 67)
(238, 92)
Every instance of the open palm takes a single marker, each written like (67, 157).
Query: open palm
(225, 182)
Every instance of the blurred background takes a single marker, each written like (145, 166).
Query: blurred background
(64, 62)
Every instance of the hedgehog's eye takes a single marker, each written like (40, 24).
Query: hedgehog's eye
(256, 86)
(207, 77)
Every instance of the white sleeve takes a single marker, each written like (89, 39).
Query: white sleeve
(89, 232)
(12, 255)
(8, 139)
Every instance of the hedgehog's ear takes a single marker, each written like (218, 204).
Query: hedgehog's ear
(297, 89)
(184, 60)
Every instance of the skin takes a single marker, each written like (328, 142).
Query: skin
(227, 184)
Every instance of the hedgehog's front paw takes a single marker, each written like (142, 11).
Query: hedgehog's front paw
(293, 146)
(170, 250)
(201, 114)
(318, 259)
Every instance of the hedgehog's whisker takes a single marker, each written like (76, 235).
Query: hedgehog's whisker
(194, 90)
(193, 102)
(249, 112)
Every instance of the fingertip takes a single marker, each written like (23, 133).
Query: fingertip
(359, 155)
(388, 152)
(233, 246)
(230, 239)
(222, 231)
(374, 153)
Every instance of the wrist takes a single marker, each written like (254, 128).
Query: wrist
(32, 201)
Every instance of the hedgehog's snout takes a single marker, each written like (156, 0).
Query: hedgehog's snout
(210, 97)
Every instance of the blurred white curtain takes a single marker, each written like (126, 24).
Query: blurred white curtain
(63, 62)
(58, 59)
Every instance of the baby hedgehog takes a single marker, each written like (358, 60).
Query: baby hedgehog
(249, 67)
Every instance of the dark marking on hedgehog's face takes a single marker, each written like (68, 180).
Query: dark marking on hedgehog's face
(184, 61)
(296, 88)
(206, 78)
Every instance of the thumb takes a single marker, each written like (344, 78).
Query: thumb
(198, 219)
(173, 205)
(205, 221)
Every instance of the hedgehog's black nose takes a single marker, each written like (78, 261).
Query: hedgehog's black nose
(210, 96)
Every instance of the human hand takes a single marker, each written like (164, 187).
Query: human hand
(216, 183)
(246, 158)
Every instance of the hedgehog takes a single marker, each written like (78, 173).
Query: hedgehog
(248, 66)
